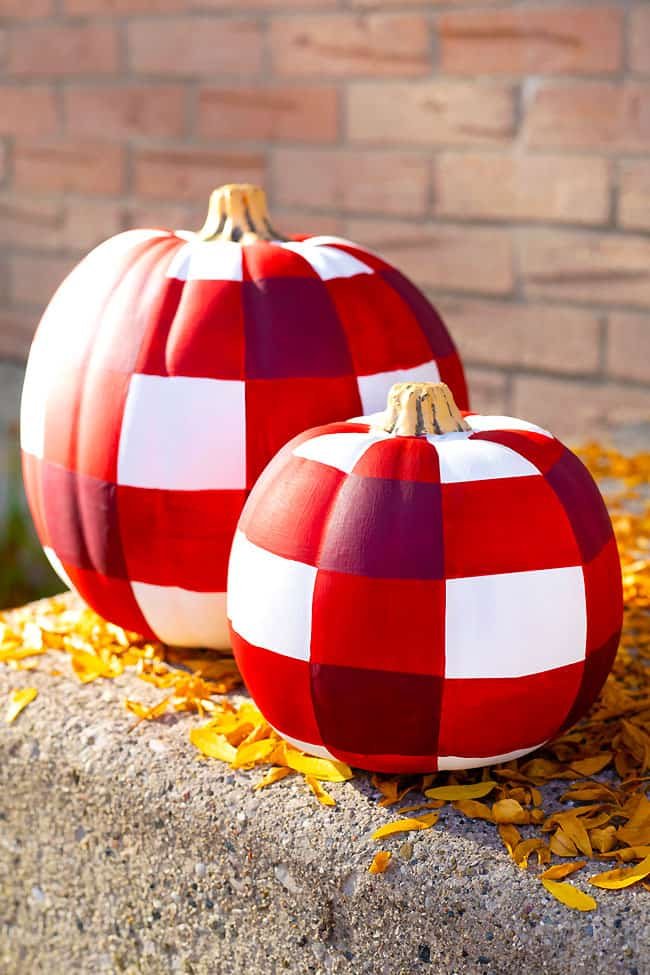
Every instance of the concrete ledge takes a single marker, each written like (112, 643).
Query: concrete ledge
(120, 852)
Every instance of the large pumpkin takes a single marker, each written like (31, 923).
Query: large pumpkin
(165, 373)
(428, 593)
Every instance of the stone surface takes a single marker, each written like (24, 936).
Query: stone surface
(121, 852)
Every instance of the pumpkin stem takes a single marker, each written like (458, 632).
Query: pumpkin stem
(421, 409)
(238, 212)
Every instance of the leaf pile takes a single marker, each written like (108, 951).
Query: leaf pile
(602, 815)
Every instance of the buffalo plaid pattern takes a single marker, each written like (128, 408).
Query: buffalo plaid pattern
(164, 375)
(409, 604)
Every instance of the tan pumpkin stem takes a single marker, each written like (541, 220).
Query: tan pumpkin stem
(238, 212)
(421, 409)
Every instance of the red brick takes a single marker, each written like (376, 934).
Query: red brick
(634, 194)
(374, 4)
(590, 115)
(75, 7)
(195, 46)
(63, 50)
(121, 112)
(567, 189)
(34, 278)
(500, 333)
(450, 258)
(639, 39)
(612, 269)
(293, 220)
(269, 113)
(192, 174)
(351, 45)
(376, 182)
(489, 391)
(16, 333)
(3, 162)
(28, 111)
(169, 216)
(628, 346)
(578, 411)
(430, 113)
(264, 4)
(26, 9)
(76, 225)
(531, 40)
(60, 167)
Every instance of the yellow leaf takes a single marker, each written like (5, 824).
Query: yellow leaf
(249, 753)
(509, 811)
(603, 839)
(569, 895)
(591, 765)
(318, 768)
(273, 775)
(562, 845)
(405, 825)
(209, 742)
(561, 870)
(324, 797)
(622, 876)
(450, 793)
(380, 861)
(576, 832)
(473, 809)
(510, 836)
(523, 850)
(18, 701)
(147, 713)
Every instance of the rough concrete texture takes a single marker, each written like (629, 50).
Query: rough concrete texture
(122, 852)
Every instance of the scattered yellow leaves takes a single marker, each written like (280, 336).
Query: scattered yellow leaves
(569, 895)
(18, 701)
(406, 825)
(321, 794)
(380, 861)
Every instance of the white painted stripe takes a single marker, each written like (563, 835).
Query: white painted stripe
(452, 762)
(33, 402)
(56, 564)
(462, 459)
(199, 260)
(374, 389)
(318, 751)
(515, 623)
(328, 262)
(482, 424)
(183, 433)
(339, 450)
(261, 587)
(184, 618)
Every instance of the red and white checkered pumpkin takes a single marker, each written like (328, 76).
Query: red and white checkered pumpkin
(167, 371)
(407, 603)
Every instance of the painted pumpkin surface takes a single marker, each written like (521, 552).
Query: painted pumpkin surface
(168, 369)
(424, 589)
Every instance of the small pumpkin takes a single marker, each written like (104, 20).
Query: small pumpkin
(165, 373)
(424, 589)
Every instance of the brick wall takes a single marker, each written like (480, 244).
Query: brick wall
(497, 151)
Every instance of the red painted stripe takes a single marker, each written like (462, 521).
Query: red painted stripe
(381, 330)
(400, 458)
(393, 625)
(604, 595)
(111, 598)
(281, 688)
(493, 716)
(178, 538)
(513, 524)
